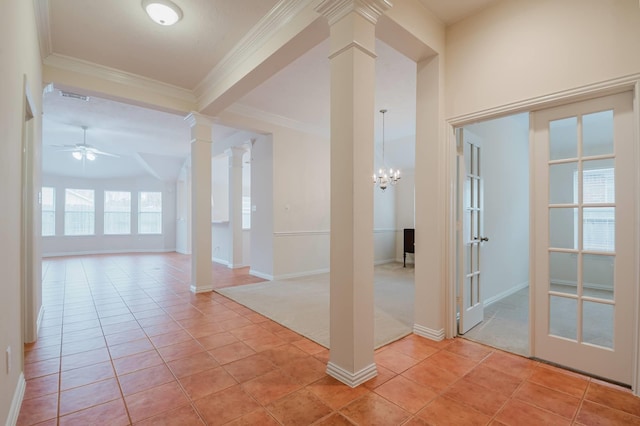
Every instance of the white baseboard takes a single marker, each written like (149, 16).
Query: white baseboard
(196, 289)
(506, 293)
(410, 261)
(260, 275)
(352, 379)
(301, 274)
(429, 333)
(235, 265)
(220, 261)
(16, 402)
(123, 251)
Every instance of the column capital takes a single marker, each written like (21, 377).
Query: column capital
(197, 119)
(235, 154)
(201, 126)
(335, 10)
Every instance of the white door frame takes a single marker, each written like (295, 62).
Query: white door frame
(565, 97)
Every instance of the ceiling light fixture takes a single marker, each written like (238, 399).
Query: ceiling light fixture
(384, 176)
(163, 12)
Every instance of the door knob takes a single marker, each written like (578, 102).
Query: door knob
(484, 239)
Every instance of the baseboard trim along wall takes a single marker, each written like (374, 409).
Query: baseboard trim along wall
(506, 293)
(16, 402)
(352, 379)
(301, 274)
(260, 275)
(429, 333)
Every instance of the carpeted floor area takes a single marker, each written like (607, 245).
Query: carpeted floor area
(302, 304)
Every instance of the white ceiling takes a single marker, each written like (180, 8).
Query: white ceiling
(117, 34)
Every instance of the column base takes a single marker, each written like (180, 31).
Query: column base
(429, 333)
(352, 379)
(196, 289)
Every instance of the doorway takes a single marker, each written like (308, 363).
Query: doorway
(493, 165)
(583, 233)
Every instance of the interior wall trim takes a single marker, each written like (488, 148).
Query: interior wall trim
(257, 37)
(262, 275)
(278, 120)
(41, 8)
(602, 88)
(281, 234)
(67, 63)
(327, 232)
(301, 274)
(429, 333)
(16, 402)
(352, 379)
(506, 293)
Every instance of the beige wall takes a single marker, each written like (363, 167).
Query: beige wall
(520, 49)
(19, 57)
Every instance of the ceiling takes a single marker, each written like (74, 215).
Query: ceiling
(150, 142)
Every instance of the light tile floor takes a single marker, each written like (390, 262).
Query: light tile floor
(124, 342)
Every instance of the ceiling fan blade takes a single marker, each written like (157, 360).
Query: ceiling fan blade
(98, 152)
(62, 146)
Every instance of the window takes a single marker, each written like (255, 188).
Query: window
(117, 212)
(48, 211)
(598, 223)
(79, 212)
(150, 213)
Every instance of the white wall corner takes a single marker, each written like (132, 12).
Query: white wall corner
(16, 402)
(352, 379)
(429, 333)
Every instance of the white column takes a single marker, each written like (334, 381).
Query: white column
(430, 187)
(235, 205)
(352, 57)
(201, 142)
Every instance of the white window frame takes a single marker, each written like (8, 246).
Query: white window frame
(114, 211)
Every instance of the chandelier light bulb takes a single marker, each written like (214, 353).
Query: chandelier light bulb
(77, 155)
(90, 156)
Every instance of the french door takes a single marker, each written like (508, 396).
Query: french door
(584, 230)
(470, 239)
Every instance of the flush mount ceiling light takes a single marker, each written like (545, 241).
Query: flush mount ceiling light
(163, 12)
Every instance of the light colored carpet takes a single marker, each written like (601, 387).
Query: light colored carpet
(302, 304)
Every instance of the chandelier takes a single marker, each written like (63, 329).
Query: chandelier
(385, 177)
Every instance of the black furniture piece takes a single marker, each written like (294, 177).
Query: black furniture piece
(409, 244)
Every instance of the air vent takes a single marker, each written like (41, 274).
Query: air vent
(74, 96)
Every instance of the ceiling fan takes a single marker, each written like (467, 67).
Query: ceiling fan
(82, 151)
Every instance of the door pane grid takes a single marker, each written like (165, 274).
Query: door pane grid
(580, 310)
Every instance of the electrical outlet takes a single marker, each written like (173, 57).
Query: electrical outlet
(8, 359)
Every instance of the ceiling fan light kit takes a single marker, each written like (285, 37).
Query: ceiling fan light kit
(83, 151)
(163, 12)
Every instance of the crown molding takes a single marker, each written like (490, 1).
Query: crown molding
(335, 10)
(278, 120)
(80, 66)
(41, 8)
(281, 14)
